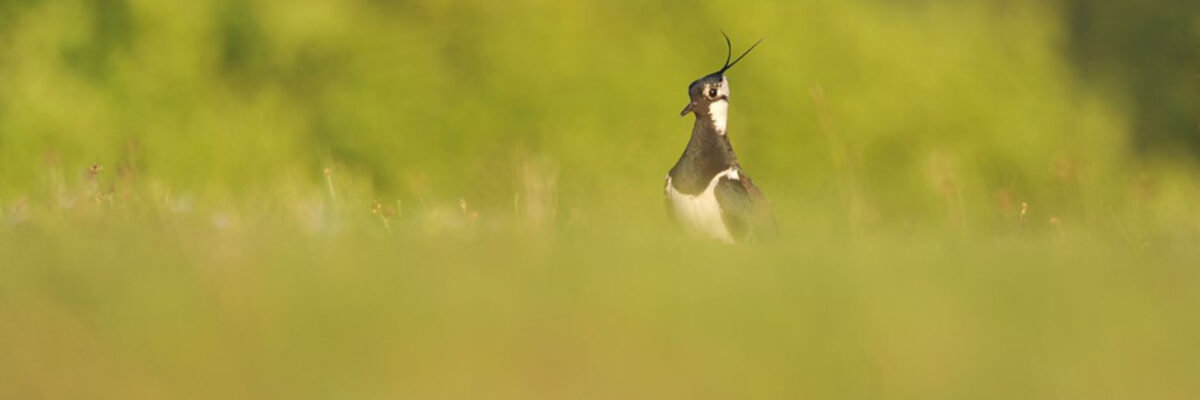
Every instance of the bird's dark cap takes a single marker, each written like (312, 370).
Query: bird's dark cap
(718, 76)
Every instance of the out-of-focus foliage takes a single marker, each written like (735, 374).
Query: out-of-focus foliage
(1147, 54)
(450, 99)
(462, 199)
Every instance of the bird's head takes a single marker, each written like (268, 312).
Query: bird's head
(712, 90)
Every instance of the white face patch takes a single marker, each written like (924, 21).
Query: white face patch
(719, 110)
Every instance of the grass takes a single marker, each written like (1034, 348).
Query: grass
(145, 295)
(372, 199)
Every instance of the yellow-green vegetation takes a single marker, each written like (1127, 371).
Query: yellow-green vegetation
(463, 199)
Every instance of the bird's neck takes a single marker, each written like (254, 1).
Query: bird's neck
(709, 139)
(708, 152)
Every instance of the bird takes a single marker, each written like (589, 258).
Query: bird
(707, 193)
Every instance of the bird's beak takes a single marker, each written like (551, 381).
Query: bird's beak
(686, 109)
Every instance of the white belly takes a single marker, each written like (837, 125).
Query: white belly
(701, 213)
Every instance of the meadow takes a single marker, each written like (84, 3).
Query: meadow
(463, 199)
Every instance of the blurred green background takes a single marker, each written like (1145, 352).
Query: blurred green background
(462, 199)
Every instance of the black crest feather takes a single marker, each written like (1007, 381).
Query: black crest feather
(729, 54)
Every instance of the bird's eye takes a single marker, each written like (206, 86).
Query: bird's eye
(712, 92)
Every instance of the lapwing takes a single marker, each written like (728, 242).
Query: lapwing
(707, 192)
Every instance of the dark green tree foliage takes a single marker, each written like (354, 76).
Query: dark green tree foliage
(1148, 51)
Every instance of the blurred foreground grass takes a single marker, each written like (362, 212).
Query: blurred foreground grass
(150, 296)
(462, 200)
